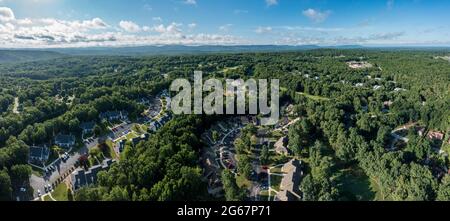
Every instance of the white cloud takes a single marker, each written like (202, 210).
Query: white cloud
(271, 2)
(6, 14)
(311, 29)
(50, 32)
(190, 2)
(173, 29)
(262, 30)
(129, 26)
(316, 15)
(95, 23)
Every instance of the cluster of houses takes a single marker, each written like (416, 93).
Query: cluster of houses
(80, 178)
(290, 184)
(155, 125)
(39, 155)
(219, 155)
(359, 64)
(114, 115)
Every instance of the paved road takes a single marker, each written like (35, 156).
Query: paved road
(121, 131)
(38, 183)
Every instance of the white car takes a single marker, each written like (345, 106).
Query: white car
(39, 193)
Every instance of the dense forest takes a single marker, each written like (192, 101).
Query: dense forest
(347, 115)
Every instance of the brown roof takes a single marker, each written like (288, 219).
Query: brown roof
(435, 135)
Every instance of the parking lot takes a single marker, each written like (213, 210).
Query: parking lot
(61, 168)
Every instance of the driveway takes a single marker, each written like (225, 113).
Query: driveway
(38, 183)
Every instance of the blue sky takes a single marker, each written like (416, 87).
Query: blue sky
(83, 23)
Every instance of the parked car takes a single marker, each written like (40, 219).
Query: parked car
(39, 193)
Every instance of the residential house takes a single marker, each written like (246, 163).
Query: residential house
(164, 119)
(39, 154)
(290, 184)
(87, 127)
(244, 120)
(281, 146)
(285, 196)
(137, 140)
(435, 135)
(114, 115)
(80, 178)
(121, 146)
(65, 141)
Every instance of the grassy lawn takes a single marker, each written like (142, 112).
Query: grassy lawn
(111, 153)
(264, 195)
(277, 134)
(241, 181)
(276, 170)
(275, 182)
(47, 198)
(131, 135)
(314, 97)
(37, 172)
(60, 193)
(356, 185)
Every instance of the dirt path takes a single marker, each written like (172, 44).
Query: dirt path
(16, 105)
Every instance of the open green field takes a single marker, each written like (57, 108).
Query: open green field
(314, 97)
(356, 185)
(60, 193)
(241, 181)
(112, 154)
(275, 182)
(47, 198)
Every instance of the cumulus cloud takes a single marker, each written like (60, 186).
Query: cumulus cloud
(129, 26)
(316, 15)
(50, 32)
(172, 29)
(6, 14)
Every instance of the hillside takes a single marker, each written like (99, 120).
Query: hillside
(14, 56)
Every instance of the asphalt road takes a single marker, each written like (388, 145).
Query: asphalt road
(39, 183)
